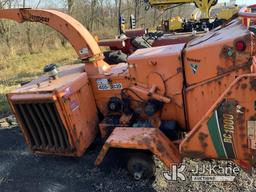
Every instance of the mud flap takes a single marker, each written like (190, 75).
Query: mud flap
(151, 139)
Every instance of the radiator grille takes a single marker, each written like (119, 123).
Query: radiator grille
(43, 126)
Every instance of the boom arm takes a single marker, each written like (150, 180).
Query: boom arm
(203, 5)
(82, 41)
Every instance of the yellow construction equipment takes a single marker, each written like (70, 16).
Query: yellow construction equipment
(204, 6)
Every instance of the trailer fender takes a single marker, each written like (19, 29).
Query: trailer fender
(151, 139)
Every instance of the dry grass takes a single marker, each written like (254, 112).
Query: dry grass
(17, 69)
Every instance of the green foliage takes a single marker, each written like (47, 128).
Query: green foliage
(17, 69)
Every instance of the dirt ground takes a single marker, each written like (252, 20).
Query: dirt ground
(20, 171)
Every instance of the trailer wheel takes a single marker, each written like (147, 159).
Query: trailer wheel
(141, 166)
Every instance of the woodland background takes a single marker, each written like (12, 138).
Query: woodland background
(26, 48)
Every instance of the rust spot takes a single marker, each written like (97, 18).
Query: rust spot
(202, 136)
(252, 118)
(146, 141)
(244, 86)
(220, 70)
(74, 129)
(160, 147)
(179, 69)
(204, 144)
(244, 146)
(253, 84)
(170, 145)
(242, 135)
(140, 142)
(194, 154)
(153, 63)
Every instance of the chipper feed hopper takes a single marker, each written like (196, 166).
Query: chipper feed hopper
(186, 100)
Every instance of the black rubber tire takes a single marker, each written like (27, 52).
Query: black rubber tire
(115, 57)
(144, 161)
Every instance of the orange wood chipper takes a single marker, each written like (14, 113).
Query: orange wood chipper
(186, 100)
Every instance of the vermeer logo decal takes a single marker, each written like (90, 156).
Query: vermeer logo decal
(194, 67)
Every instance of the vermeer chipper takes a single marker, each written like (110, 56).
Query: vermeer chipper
(186, 100)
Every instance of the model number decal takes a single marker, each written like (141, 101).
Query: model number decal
(228, 121)
(223, 126)
(104, 84)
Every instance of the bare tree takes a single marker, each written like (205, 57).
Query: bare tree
(28, 33)
(5, 27)
(101, 17)
(94, 3)
(70, 6)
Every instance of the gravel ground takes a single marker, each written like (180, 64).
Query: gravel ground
(23, 172)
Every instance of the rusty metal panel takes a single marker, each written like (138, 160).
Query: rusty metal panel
(170, 39)
(227, 130)
(53, 116)
(202, 96)
(161, 67)
(81, 122)
(113, 85)
(151, 139)
(215, 53)
(66, 76)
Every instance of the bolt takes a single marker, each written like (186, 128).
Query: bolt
(138, 175)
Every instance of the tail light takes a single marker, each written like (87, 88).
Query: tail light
(240, 46)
